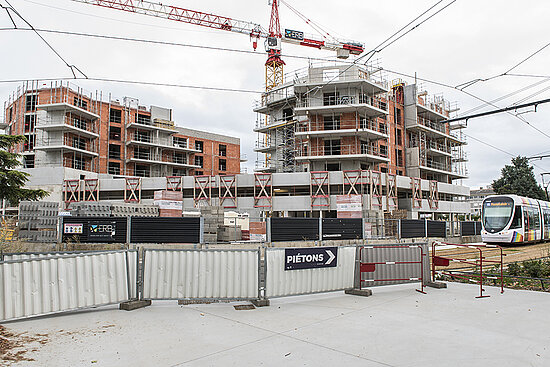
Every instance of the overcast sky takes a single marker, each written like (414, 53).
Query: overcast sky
(468, 40)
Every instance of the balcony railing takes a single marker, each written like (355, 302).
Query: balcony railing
(70, 121)
(342, 100)
(355, 149)
(438, 146)
(84, 165)
(82, 143)
(158, 158)
(438, 126)
(153, 140)
(378, 125)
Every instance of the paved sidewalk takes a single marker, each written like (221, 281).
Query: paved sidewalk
(395, 327)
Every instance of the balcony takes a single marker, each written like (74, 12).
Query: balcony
(67, 107)
(78, 164)
(436, 148)
(364, 104)
(263, 126)
(148, 140)
(435, 130)
(365, 128)
(444, 168)
(80, 127)
(278, 95)
(263, 166)
(158, 124)
(264, 146)
(357, 151)
(82, 146)
(434, 108)
(340, 75)
(150, 158)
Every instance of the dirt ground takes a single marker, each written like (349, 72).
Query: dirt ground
(511, 254)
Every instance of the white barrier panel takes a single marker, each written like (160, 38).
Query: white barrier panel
(54, 284)
(132, 261)
(206, 274)
(281, 282)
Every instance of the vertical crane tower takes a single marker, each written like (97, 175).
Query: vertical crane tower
(273, 36)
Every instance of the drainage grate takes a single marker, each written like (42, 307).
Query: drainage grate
(244, 307)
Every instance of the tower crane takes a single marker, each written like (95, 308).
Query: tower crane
(273, 36)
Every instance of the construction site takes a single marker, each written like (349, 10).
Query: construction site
(352, 215)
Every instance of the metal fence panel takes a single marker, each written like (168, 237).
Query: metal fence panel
(293, 282)
(119, 224)
(342, 228)
(48, 285)
(201, 274)
(395, 271)
(294, 229)
(436, 228)
(165, 230)
(411, 228)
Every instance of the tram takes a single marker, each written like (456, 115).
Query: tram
(514, 219)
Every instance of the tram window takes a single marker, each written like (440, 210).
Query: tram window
(547, 219)
(516, 221)
(532, 219)
(525, 218)
(537, 219)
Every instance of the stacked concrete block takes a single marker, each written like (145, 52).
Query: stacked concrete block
(38, 221)
(213, 221)
(90, 209)
(134, 210)
(229, 233)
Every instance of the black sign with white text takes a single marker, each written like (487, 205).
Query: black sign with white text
(311, 258)
(101, 230)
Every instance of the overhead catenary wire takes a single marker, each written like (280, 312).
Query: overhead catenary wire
(70, 66)
(126, 81)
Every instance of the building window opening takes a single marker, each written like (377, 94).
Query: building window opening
(30, 121)
(30, 103)
(79, 102)
(199, 145)
(222, 166)
(114, 151)
(199, 161)
(222, 150)
(331, 122)
(114, 168)
(114, 133)
(115, 115)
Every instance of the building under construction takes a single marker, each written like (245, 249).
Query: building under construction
(342, 117)
(68, 127)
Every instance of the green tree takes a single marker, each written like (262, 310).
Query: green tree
(518, 178)
(12, 182)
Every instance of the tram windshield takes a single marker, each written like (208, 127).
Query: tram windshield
(497, 213)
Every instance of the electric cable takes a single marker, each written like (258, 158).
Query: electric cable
(71, 67)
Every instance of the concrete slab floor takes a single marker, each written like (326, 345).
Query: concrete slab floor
(396, 326)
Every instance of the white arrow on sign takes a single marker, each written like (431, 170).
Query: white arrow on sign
(331, 258)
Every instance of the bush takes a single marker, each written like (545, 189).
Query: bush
(514, 269)
(534, 268)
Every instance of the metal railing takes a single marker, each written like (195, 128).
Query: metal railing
(84, 165)
(76, 122)
(342, 100)
(352, 149)
(378, 125)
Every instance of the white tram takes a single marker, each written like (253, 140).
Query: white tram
(514, 219)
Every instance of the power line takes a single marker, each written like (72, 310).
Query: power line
(468, 94)
(125, 81)
(500, 110)
(474, 81)
(71, 67)
(374, 50)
